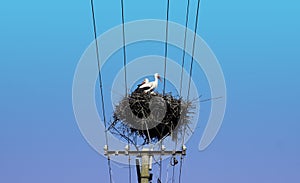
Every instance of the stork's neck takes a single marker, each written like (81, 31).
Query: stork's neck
(156, 79)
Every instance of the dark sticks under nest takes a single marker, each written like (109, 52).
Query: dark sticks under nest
(143, 118)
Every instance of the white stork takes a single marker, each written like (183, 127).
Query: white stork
(150, 86)
(146, 80)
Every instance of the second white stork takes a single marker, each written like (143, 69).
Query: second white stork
(146, 80)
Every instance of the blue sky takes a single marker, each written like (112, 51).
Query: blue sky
(256, 42)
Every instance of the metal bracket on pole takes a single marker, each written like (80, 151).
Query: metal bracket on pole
(146, 156)
(145, 152)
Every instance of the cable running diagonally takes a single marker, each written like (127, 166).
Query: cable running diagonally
(173, 171)
(125, 75)
(124, 47)
(193, 51)
(100, 83)
(166, 46)
(190, 78)
(110, 170)
(184, 45)
(165, 72)
(182, 68)
(180, 169)
(99, 70)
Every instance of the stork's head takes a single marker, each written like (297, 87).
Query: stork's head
(156, 75)
(146, 80)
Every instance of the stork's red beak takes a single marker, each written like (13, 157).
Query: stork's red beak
(159, 78)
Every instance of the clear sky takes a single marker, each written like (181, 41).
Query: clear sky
(256, 42)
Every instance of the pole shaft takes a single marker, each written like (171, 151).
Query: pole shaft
(145, 169)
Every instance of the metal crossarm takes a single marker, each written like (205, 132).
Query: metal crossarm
(145, 152)
(146, 155)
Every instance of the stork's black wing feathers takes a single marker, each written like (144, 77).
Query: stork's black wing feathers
(140, 90)
(140, 85)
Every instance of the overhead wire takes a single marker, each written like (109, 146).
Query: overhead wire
(193, 51)
(166, 46)
(173, 171)
(110, 170)
(167, 176)
(173, 156)
(129, 157)
(182, 69)
(124, 47)
(180, 169)
(165, 73)
(184, 44)
(125, 77)
(100, 84)
(190, 78)
(160, 163)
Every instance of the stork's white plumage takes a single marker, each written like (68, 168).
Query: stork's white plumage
(150, 86)
(146, 80)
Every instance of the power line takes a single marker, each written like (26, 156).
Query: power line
(181, 77)
(99, 69)
(180, 169)
(125, 76)
(165, 72)
(124, 46)
(193, 52)
(184, 46)
(174, 158)
(166, 46)
(109, 169)
(129, 168)
(173, 171)
(129, 158)
(160, 164)
(190, 78)
(100, 83)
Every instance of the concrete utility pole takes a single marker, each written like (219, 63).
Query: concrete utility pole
(146, 156)
(145, 175)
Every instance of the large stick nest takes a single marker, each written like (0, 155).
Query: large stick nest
(143, 118)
